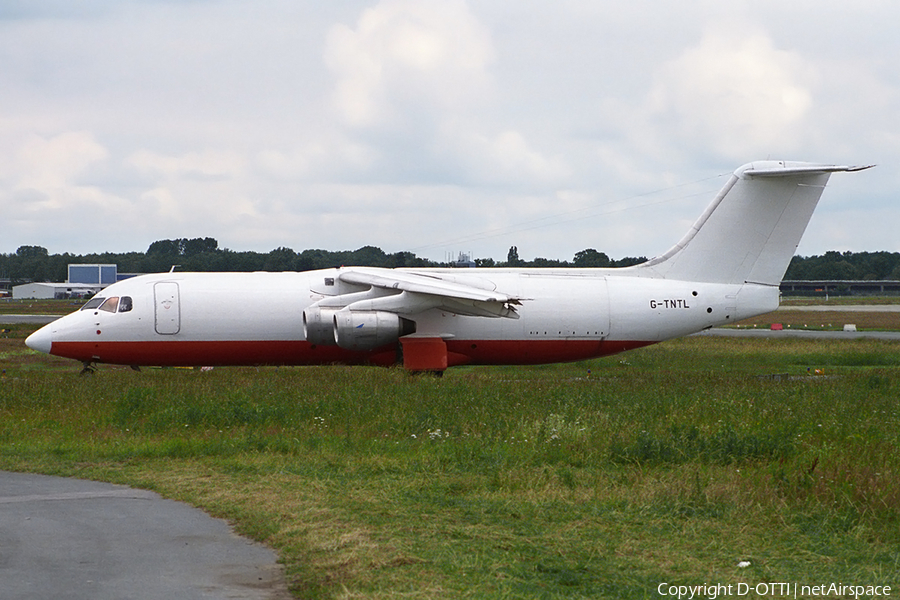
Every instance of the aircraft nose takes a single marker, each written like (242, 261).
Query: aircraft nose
(40, 340)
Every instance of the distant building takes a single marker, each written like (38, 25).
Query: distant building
(464, 261)
(45, 291)
(93, 274)
(84, 281)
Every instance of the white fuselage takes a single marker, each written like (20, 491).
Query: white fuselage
(256, 318)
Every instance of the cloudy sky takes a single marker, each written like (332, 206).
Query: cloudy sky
(435, 126)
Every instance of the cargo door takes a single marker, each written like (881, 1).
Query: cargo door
(167, 307)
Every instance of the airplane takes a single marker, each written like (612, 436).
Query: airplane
(728, 267)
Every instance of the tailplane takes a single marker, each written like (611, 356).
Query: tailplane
(752, 228)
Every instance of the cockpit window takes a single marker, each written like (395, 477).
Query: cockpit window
(125, 304)
(111, 304)
(93, 303)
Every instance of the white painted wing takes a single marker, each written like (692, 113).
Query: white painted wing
(420, 291)
(420, 284)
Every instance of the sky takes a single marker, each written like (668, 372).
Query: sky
(436, 127)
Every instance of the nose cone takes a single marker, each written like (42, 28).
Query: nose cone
(40, 340)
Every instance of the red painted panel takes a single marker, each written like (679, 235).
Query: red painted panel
(424, 354)
(201, 353)
(536, 352)
(260, 352)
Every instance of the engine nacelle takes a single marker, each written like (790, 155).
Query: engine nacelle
(318, 325)
(365, 330)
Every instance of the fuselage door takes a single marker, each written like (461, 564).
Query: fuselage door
(167, 307)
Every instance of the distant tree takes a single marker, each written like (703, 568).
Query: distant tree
(547, 262)
(629, 261)
(367, 256)
(31, 252)
(844, 265)
(164, 247)
(309, 260)
(407, 259)
(198, 246)
(183, 246)
(591, 258)
(512, 257)
(280, 259)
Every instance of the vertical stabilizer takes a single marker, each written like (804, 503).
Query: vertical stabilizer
(750, 231)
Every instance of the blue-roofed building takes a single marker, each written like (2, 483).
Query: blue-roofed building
(101, 275)
(83, 281)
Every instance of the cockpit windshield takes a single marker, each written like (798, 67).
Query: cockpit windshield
(93, 303)
(111, 304)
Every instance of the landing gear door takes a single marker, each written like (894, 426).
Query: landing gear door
(167, 308)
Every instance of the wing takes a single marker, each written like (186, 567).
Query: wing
(411, 293)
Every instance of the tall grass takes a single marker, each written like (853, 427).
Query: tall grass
(593, 479)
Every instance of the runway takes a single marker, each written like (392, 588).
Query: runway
(83, 540)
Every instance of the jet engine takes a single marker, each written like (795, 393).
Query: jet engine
(318, 325)
(365, 330)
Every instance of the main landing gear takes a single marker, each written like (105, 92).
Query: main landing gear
(89, 369)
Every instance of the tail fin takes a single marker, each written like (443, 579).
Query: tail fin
(752, 228)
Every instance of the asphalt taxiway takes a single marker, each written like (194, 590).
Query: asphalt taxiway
(32, 319)
(84, 540)
(807, 334)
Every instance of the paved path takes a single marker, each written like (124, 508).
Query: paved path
(83, 540)
(801, 333)
(34, 319)
(866, 308)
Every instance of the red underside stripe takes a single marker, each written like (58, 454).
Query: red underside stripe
(223, 353)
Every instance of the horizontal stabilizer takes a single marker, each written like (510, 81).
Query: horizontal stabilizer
(783, 169)
(752, 228)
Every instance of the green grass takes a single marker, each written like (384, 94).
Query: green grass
(588, 480)
(31, 306)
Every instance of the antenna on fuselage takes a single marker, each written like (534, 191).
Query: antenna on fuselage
(172, 270)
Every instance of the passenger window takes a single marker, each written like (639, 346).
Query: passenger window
(111, 304)
(125, 304)
(93, 303)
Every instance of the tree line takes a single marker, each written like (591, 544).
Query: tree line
(35, 263)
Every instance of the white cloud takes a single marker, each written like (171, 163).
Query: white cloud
(735, 92)
(52, 163)
(505, 158)
(406, 55)
(401, 123)
(208, 165)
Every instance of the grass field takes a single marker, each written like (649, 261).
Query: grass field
(604, 479)
(29, 306)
